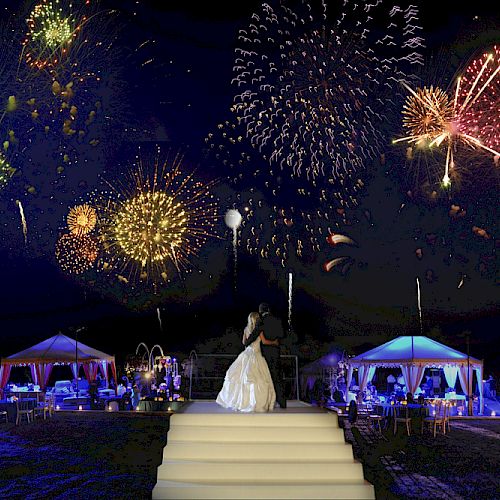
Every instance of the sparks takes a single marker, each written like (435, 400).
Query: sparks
(81, 219)
(160, 218)
(468, 117)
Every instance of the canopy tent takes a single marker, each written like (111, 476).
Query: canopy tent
(413, 355)
(58, 349)
(315, 370)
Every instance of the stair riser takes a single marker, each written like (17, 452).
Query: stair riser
(263, 452)
(256, 420)
(260, 434)
(258, 473)
(361, 491)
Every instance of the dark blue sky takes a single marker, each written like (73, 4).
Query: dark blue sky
(178, 98)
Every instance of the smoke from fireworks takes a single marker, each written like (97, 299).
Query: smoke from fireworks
(161, 218)
(313, 90)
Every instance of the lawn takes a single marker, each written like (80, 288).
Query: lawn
(465, 463)
(82, 455)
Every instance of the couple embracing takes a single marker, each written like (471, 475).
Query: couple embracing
(253, 383)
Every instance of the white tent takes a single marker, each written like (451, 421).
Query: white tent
(413, 355)
(58, 349)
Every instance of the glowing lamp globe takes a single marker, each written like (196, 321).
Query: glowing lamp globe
(232, 218)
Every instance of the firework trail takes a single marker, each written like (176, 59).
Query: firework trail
(334, 240)
(419, 307)
(159, 318)
(23, 221)
(313, 87)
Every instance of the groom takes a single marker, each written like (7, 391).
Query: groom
(273, 330)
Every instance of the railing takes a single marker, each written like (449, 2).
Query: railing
(194, 357)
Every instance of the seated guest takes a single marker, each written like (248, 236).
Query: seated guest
(409, 398)
(420, 399)
(337, 396)
(359, 397)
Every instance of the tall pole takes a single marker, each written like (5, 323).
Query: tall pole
(469, 401)
(76, 358)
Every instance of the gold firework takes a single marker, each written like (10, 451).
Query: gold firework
(425, 113)
(76, 254)
(81, 219)
(158, 220)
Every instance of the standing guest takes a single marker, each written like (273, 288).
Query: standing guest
(391, 380)
(136, 395)
(429, 387)
(492, 386)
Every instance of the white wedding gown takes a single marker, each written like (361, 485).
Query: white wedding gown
(248, 386)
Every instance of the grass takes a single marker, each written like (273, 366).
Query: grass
(82, 455)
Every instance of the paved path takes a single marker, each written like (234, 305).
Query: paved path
(385, 466)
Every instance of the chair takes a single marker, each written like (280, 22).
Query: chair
(447, 417)
(23, 409)
(437, 420)
(44, 406)
(401, 415)
(377, 417)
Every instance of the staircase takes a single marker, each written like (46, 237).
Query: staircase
(296, 453)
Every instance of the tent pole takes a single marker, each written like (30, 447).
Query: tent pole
(76, 357)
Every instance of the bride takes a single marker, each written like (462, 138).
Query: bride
(248, 386)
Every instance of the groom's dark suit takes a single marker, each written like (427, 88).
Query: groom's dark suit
(273, 329)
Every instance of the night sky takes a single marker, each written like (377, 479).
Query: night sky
(167, 82)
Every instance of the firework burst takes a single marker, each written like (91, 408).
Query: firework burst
(76, 254)
(313, 87)
(463, 120)
(52, 29)
(160, 219)
(81, 219)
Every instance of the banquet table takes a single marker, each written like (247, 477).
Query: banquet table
(11, 408)
(153, 405)
(415, 411)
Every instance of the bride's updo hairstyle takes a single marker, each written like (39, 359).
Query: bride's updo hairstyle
(252, 321)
